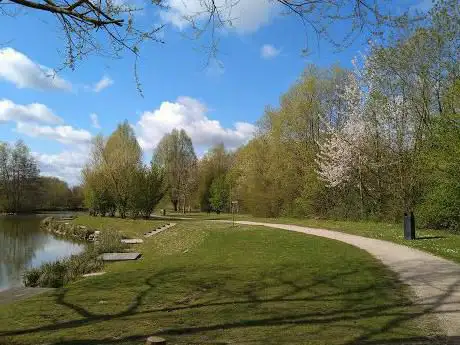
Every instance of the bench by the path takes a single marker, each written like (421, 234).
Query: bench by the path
(160, 229)
(435, 281)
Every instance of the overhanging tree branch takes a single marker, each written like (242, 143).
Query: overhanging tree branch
(71, 11)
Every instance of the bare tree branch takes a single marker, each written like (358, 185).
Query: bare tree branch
(108, 27)
(71, 12)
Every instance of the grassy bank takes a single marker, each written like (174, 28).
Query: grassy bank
(128, 227)
(442, 243)
(207, 283)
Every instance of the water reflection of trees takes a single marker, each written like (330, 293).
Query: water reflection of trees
(20, 239)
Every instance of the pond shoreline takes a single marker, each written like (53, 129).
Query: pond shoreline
(44, 212)
(63, 227)
(24, 246)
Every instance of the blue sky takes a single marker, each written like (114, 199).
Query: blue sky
(259, 58)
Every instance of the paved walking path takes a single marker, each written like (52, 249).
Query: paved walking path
(435, 281)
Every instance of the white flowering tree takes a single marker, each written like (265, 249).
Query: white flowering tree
(340, 157)
(341, 153)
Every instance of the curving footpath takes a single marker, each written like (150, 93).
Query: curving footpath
(435, 281)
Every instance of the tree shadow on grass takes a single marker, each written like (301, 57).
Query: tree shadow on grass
(357, 305)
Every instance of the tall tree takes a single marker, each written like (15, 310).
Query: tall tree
(440, 201)
(122, 158)
(215, 163)
(219, 194)
(18, 176)
(176, 155)
(341, 156)
(98, 197)
(149, 188)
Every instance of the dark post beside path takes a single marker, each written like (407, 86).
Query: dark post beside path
(409, 226)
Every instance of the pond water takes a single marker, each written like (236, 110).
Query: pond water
(23, 246)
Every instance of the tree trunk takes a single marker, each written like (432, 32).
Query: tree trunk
(361, 195)
(175, 202)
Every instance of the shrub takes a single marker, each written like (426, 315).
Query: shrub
(109, 241)
(86, 262)
(31, 277)
(441, 176)
(53, 274)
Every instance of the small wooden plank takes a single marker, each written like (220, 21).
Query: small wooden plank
(132, 241)
(94, 274)
(119, 256)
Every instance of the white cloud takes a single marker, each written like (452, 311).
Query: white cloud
(189, 114)
(63, 134)
(94, 120)
(24, 73)
(245, 16)
(102, 84)
(34, 112)
(268, 51)
(66, 165)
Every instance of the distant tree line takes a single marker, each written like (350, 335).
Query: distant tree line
(55, 194)
(117, 182)
(23, 190)
(368, 143)
(371, 143)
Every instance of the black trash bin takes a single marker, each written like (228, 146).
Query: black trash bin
(409, 226)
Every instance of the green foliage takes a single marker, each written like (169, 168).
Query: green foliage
(58, 273)
(219, 194)
(31, 277)
(371, 144)
(23, 190)
(18, 177)
(275, 172)
(122, 157)
(108, 241)
(214, 165)
(54, 194)
(115, 179)
(440, 207)
(176, 155)
(150, 188)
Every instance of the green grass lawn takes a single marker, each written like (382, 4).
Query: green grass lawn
(438, 242)
(207, 283)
